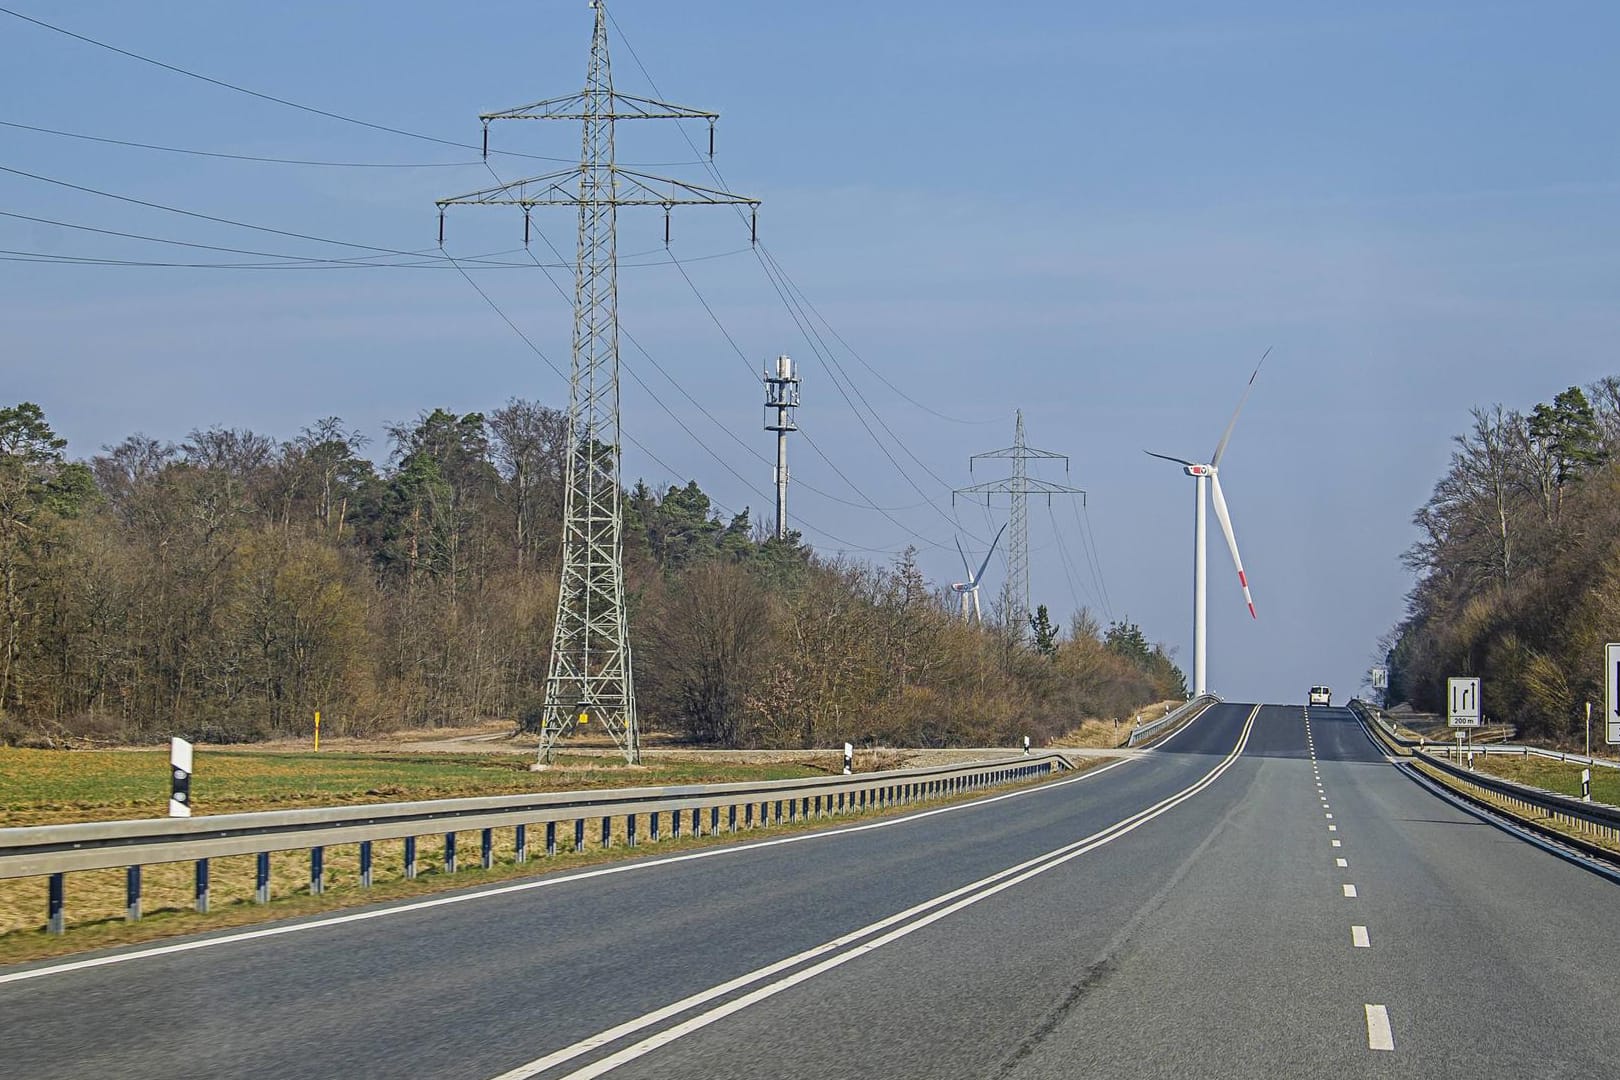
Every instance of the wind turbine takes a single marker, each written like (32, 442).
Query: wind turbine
(969, 590)
(1208, 476)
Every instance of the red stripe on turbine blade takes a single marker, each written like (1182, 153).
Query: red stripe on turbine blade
(1252, 615)
(1243, 579)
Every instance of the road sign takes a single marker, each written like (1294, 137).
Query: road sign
(1380, 678)
(1611, 698)
(1462, 696)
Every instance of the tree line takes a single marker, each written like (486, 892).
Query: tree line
(1518, 564)
(226, 587)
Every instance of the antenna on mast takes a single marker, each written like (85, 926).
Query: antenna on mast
(781, 394)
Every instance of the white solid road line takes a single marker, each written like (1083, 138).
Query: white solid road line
(986, 888)
(832, 831)
(1379, 1037)
(1350, 890)
(1358, 937)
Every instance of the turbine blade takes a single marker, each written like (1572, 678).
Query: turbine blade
(1231, 540)
(965, 567)
(1167, 457)
(1226, 437)
(980, 575)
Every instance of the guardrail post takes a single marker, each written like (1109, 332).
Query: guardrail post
(652, 825)
(731, 817)
(607, 832)
(579, 835)
(365, 864)
(551, 838)
(778, 811)
(697, 821)
(410, 858)
(317, 871)
(748, 815)
(714, 820)
(261, 878)
(449, 852)
(630, 829)
(520, 844)
(55, 923)
(202, 886)
(486, 849)
(132, 894)
(674, 824)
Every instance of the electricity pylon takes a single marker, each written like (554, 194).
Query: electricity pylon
(1018, 488)
(589, 675)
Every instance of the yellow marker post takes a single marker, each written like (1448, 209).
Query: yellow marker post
(317, 729)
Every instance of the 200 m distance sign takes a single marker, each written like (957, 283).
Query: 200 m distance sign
(1611, 693)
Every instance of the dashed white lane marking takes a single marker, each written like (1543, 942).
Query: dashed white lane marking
(1332, 828)
(1342, 862)
(1379, 1037)
(1358, 937)
(1330, 817)
(1338, 843)
(1350, 891)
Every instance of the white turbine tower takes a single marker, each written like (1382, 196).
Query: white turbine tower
(969, 590)
(1209, 476)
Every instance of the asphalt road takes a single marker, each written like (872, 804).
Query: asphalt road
(1179, 914)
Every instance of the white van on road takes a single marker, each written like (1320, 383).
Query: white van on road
(1321, 695)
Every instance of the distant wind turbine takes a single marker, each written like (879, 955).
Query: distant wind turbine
(969, 590)
(1209, 476)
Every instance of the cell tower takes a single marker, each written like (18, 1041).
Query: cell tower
(1018, 488)
(589, 676)
(782, 395)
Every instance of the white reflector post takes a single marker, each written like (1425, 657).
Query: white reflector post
(849, 759)
(179, 778)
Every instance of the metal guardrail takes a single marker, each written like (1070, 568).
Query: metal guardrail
(1499, 749)
(1172, 718)
(1597, 819)
(53, 851)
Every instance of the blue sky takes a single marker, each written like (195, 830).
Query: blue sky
(1100, 214)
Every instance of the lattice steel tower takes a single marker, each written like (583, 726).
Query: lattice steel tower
(590, 673)
(1018, 488)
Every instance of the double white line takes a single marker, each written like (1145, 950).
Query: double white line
(889, 930)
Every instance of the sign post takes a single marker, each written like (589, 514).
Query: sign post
(1611, 696)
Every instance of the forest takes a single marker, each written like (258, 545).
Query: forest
(1518, 565)
(225, 588)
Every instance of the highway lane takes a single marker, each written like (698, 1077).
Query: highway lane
(1214, 938)
(473, 988)
(1222, 941)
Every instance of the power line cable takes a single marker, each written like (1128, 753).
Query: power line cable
(238, 157)
(235, 88)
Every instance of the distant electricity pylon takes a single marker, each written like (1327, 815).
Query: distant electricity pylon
(590, 669)
(1018, 487)
(782, 396)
